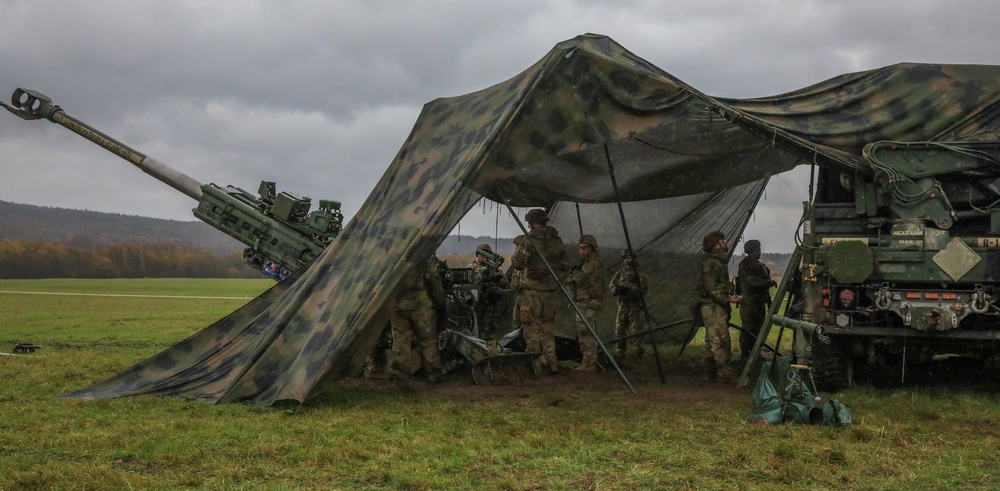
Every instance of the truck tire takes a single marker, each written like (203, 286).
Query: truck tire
(832, 365)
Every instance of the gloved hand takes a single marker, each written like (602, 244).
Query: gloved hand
(773, 284)
(576, 267)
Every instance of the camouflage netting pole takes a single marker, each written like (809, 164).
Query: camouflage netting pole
(635, 266)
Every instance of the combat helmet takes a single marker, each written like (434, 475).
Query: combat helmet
(536, 215)
(751, 245)
(711, 238)
(589, 240)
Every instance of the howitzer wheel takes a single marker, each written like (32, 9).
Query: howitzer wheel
(832, 365)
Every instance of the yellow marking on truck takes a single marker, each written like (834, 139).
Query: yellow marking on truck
(829, 241)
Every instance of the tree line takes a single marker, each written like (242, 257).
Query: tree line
(20, 259)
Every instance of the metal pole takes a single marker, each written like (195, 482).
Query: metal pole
(635, 265)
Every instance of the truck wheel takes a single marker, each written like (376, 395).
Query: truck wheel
(832, 365)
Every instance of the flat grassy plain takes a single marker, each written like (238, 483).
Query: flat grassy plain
(573, 431)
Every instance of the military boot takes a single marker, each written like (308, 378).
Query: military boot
(724, 374)
(708, 371)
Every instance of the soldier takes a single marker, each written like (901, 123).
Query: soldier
(630, 289)
(376, 362)
(514, 280)
(538, 286)
(714, 297)
(416, 315)
(586, 282)
(479, 265)
(754, 280)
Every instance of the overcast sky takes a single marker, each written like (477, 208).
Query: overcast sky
(319, 95)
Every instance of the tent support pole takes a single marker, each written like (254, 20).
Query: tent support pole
(635, 264)
(565, 292)
(579, 219)
(765, 328)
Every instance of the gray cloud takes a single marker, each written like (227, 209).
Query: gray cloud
(319, 95)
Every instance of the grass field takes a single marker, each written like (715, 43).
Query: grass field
(574, 431)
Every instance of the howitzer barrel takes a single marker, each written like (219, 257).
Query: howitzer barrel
(280, 232)
(29, 104)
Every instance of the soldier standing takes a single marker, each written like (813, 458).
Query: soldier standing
(586, 282)
(514, 280)
(416, 315)
(629, 284)
(538, 285)
(479, 266)
(714, 296)
(754, 280)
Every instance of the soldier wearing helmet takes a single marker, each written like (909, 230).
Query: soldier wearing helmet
(538, 286)
(586, 282)
(629, 284)
(480, 264)
(714, 298)
(754, 281)
(416, 317)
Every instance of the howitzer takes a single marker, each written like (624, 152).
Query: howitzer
(280, 232)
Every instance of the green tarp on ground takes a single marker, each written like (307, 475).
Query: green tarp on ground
(685, 163)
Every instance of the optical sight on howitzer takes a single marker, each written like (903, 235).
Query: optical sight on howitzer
(280, 232)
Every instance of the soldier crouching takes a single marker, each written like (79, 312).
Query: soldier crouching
(416, 316)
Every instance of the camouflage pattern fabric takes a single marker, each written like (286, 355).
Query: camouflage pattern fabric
(587, 281)
(537, 301)
(588, 344)
(629, 320)
(718, 344)
(713, 285)
(714, 290)
(630, 283)
(685, 163)
(586, 284)
(538, 310)
(416, 317)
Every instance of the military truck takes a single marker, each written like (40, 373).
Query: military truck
(901, 259)
(280, 232)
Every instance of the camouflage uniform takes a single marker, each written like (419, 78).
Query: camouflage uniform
(480, 267)
(538, 289)
(514, 281)
(755, 283)
(415, 314)
(629, 289)
(586, 283)
(714, 291)
(376, 362)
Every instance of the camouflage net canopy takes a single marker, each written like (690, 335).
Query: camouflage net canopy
(685, 163)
